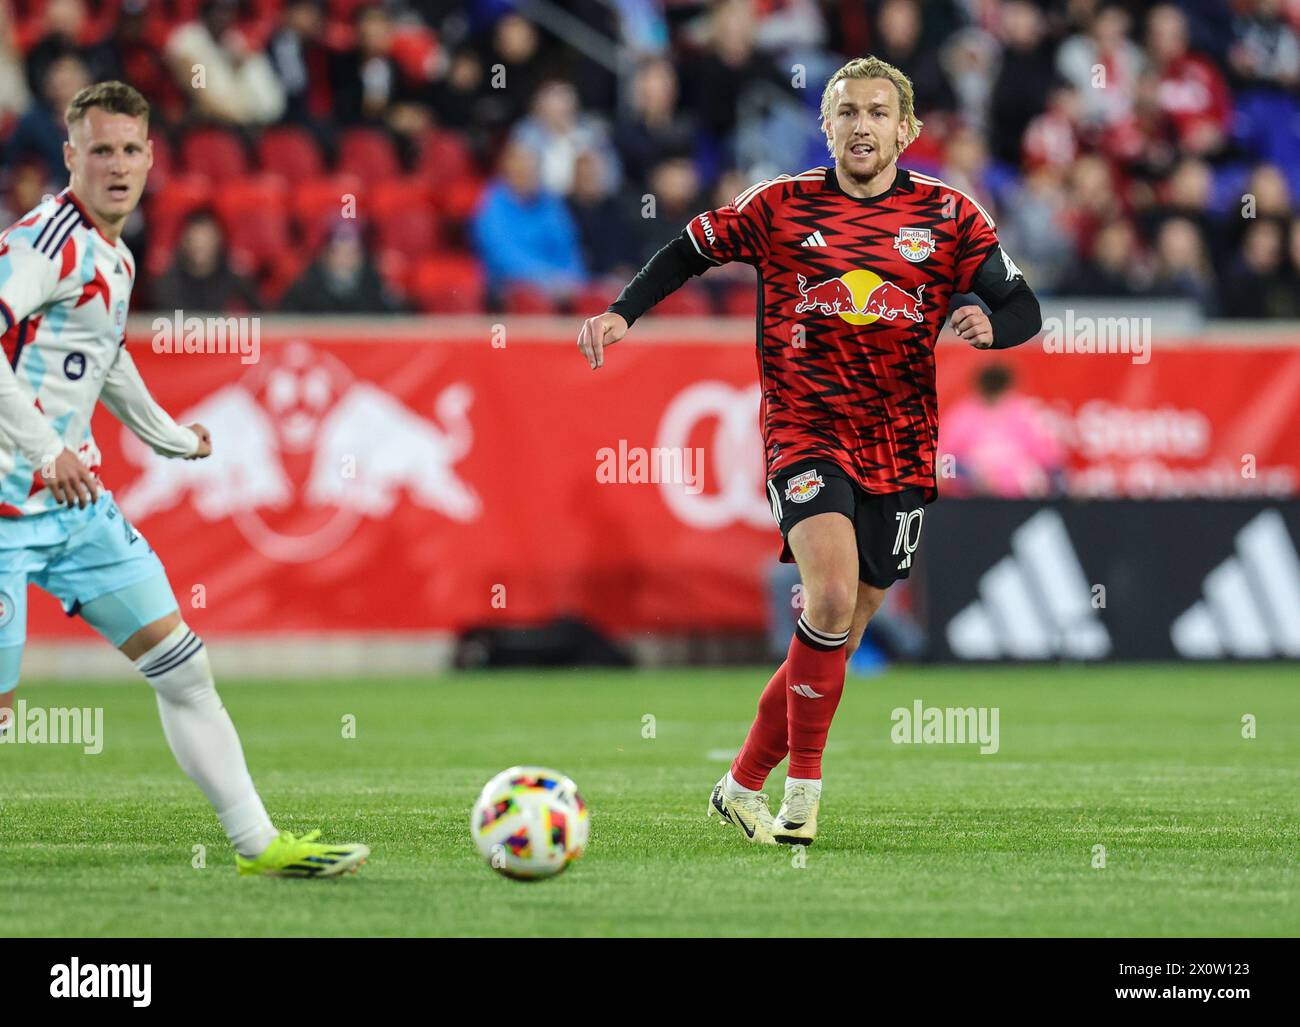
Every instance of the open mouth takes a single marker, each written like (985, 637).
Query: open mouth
(119, 191)
(862, 149)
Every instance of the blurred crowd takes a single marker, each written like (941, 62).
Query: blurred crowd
(457, 155)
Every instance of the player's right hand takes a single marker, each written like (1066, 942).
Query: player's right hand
(597, 333)
(69, 480)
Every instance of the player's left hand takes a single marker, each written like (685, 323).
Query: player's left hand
(205, 442)
(972, 324)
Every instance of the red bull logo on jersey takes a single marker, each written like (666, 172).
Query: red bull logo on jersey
(914, 244)
(860, 297)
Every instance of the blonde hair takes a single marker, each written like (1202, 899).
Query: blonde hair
(112, 97)
(874, 67)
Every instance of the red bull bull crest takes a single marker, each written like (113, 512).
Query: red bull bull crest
(860, 297)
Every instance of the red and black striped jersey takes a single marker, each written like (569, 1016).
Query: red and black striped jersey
(852, 294)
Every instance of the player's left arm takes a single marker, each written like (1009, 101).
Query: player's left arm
(129, 400)
(1013, 316)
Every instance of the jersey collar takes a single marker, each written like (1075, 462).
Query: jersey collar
(68, 196)
(902, 183)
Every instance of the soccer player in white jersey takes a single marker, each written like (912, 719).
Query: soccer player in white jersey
(65, 283)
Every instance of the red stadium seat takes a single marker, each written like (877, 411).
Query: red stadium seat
(320, 202)
(215, 152)
(528, 299)
(443, 158)
(403, 214)
(291, 151)
(166, 210)
(594, 297)
(369, 154)
(255, 215)
(447, 283)
(164, 163)
(412, 233)
(460, 200)
(687, 301)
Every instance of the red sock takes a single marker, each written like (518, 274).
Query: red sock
(815, 675)
(764, 747)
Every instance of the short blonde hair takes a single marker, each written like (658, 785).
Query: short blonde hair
(874, 67)
(112, 97)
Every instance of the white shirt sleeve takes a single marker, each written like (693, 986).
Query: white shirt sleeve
(31, 281)
(128, 399)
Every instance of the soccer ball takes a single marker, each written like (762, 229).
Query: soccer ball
(529, 823)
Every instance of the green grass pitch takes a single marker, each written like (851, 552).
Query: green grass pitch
(1199, 824)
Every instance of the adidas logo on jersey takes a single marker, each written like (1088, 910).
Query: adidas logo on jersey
(1251, 604)
(1034, 604)
(814, 240)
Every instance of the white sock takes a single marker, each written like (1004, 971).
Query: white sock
(815, 782)
(203, 739)
(730, 786)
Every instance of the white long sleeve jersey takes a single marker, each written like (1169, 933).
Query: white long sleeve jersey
(64, 294)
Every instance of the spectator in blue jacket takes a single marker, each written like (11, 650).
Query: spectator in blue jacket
(524, 235)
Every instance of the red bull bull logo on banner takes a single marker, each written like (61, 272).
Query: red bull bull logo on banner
(860, 297)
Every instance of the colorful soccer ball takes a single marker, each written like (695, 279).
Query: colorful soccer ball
(529, 823)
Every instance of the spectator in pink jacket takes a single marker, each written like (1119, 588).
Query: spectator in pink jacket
(999, 441)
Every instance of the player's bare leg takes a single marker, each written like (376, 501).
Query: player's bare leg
(870, 599)
(204, 741)
(6, 710)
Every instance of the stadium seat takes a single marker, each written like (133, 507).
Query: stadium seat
(215, 152)
(592, 298)
(291, 151)
(443, 157)
(164, 162)
(254, 213)
(403, 216)
(319, 202)
(412, 233)
(528, 299)
(447, 283)
(166, 210)
(687, 301)
(369, 154)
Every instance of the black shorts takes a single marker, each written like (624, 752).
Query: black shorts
(888, 525)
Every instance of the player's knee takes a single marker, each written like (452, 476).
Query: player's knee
(829, 605)
(178, 668)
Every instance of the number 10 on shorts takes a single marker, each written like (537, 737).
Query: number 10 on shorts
(909, 535)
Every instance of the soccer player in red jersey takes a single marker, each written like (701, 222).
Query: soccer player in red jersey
(856, 265)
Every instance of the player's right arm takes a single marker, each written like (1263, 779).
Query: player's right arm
(738, 231)
(32, 279)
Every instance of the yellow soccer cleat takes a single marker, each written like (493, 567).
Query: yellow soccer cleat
(796, 821)
(288, 856)
(748, 812)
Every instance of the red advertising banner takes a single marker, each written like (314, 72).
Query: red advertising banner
(361, 483)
